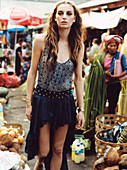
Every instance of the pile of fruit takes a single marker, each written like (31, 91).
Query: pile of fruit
(111, 160)
(10, 140)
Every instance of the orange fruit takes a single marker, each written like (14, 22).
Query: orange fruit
(20, 139)
(16, 131)
(12, 134)
(10, 129)
(15, 140)
(3, 128)
(3, 132)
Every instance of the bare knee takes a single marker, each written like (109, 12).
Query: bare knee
(58, 150)
(43, 152)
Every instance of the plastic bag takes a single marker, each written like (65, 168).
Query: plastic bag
(8, 160)
(11, 80)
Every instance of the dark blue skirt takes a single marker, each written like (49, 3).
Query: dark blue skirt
(57, 108)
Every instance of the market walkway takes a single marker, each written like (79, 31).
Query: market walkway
(16, 114)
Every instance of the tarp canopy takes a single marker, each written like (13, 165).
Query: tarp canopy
(124, 14)
(104, 20)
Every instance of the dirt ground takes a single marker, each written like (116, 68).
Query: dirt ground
(16, 114)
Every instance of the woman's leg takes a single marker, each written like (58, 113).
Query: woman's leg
(47, 160)
(57, 148)
(113, 91)
(44, 145)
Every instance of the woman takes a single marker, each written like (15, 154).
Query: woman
(113, 85)
(59, 54)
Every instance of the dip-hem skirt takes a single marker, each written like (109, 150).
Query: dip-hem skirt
(56, 108)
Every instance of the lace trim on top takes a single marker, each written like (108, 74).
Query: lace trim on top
(60, 79)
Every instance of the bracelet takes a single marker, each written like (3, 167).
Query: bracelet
(28, 102)
(81, 109)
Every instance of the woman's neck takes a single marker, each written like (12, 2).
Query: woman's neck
(109, 55)
(63, 34)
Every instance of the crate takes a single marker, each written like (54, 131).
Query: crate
(19, 127)
(101, 146)
(108, 121)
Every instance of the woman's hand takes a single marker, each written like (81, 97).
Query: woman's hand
(111, 75)
(28, 112)
(108, 73)
(81, 120)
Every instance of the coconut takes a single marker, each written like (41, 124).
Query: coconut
(99, 164)
(123, 156)
(115, 167)
(12, 150)
(123, 161)
(7, 140)
(111, 156)
(16, 146)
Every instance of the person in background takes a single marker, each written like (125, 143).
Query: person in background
(25, 68)
(59, 55)
(94, 49)
(124, 46)
(113, 85)
(19, 58)
(24, 49)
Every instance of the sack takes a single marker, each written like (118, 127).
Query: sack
(118, 68)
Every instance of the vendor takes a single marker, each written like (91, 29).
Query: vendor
(113, 85)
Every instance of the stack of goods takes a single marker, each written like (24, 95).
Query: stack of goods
(114, 135)
(10, 140)
(111, 160)
(78, 149)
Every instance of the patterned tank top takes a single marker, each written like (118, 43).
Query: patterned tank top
(59, 79)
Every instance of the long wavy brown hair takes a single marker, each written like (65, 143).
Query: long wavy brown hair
(74, 38)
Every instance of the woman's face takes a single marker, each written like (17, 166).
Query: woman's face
(65, 16)
(112, 48)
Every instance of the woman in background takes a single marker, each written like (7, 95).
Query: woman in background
(113, 85)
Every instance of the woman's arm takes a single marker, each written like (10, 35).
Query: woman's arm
(78, 82)
(37, 51)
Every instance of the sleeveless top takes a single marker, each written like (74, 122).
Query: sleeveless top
(59, 79)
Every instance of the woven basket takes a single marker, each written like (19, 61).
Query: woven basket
(101, 146)
(16, 126)
(108, 121)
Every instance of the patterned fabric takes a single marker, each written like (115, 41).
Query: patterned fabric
(24, 70)
(60, 79)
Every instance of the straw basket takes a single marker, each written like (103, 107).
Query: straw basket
(19, 127)
(101, 146)
(108, 121)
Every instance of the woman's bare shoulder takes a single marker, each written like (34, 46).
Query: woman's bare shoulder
(40, 38)
(39, 41)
